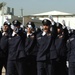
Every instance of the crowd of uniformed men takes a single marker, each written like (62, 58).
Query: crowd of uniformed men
(32, 51)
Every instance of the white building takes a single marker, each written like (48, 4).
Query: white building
(9, 18)
(58, 17)
(7, 14)
(7, 11)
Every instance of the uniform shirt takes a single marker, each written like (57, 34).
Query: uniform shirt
(60, 44)
(71, 48)
(46, 49)
(30, 44)
(15, 44)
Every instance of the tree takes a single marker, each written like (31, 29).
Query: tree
(2, 4)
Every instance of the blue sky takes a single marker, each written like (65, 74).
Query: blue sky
(39, 6)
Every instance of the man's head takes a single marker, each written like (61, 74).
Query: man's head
(6, 26)
(16, 23)
(30, 26)
(59, 28)
(46, 24)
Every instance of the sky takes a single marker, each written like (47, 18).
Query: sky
(39, 6)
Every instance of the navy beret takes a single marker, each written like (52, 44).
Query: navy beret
(46, 22)
(59, 25)
(31, 25)
(16, 23)
(7, 23)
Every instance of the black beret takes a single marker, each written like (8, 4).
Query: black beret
(46, 22)
(31, 24)
(59, 25)
(16, 23)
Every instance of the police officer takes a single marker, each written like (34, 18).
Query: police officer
(30, 49)
(71, 53)
(60, 43)
(16, 52)
(46, 49)
(3, 51)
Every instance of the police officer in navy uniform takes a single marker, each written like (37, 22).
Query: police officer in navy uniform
(3, 50)
(46, 49)
(2, 57)
(30, 49)
(60, 43)
(16, 52)
(71, 53)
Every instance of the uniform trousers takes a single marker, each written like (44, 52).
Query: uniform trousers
(15, 67)
(71, 68)
(44, 68)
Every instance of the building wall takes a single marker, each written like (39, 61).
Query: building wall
(69, 20)
(3, 19)
(9, 18)
(37, 22)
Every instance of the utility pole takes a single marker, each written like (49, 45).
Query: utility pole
(22, 12)
(22, 16)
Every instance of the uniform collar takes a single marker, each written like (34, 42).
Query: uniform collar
(14, 33)
(29, 34)
(44, 33)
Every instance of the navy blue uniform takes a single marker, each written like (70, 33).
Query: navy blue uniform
(60, 43)
(3, 57)
(16, 53)
(4, 48)
(71, 54)
(31, 51)
(46, 53)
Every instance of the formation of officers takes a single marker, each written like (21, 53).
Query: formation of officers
(37, 52)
